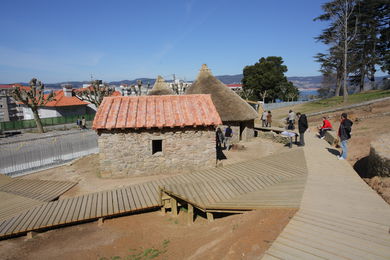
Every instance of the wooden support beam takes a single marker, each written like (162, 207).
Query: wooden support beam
(174, 206)
(163, 211)
(31, 234)
(100, 221)
(190, 214)
(210, 216)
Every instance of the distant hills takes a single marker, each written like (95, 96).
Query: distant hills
(312, 82)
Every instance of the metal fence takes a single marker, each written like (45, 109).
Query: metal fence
(23, 124)
(23, 157)
(272, 106)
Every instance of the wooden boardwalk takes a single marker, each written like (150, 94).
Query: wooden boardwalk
(17, 195)
(214, 186)
(340, 216)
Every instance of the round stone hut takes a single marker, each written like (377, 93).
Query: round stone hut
(156, 134)
(233, 110)
(160, 87)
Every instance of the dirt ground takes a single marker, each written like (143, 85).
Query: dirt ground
(150, 235)
(142, 236)
(85, 170)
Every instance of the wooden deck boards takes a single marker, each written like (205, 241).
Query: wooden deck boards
(203, 188)
(340, 217)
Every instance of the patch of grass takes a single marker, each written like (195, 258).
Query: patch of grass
(338, 101)
(142, 254)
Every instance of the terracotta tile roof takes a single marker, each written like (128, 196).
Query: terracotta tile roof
(62, 101)
(156, 111)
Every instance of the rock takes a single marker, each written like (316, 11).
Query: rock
(379, 158)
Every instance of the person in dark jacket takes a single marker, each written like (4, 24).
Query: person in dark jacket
(302, 127)
(344, 135)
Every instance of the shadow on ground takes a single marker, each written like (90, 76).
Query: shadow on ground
(333, 151)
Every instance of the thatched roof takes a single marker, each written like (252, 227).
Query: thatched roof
(160, 88)
(230, 106)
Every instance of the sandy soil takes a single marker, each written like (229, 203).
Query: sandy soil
(85, 170)
(243, 236)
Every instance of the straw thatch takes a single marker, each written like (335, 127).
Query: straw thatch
(160, 88)
(230, 106)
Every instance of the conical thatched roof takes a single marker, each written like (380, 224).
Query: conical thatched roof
(230, 106)
(160, 88)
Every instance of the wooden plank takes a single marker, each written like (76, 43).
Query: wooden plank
(145, 195)
(16, 220)
(104, 203)
(44, 210)
(88, 207)
(115, 201)
(95, 206)
(126, 200)
(77, 210)
(174, 206)
(110, 203)
(190, 214)
(66, 210)
(56, 208)
(121, 207)
(141, 198)
(27, 220)
(83, 208)
(133, 204)
(153, 195)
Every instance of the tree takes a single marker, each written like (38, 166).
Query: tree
(95, 93)
(339, 34)
(33, 97)
(265, 80)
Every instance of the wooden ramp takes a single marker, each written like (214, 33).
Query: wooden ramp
(340, 216)
(17, 195)
(212, 186)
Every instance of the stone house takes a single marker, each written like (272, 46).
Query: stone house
(156, 134)
(233, 110)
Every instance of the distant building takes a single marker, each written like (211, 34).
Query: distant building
(156, 134)
(8, 106)
(65, 104)
(235, 87)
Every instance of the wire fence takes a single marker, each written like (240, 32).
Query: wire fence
(23, 157)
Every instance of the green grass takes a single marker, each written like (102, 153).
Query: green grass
(338, 101)
(142, 254)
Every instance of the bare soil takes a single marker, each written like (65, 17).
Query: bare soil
(150, 235)
(243, 236)
(85, 171)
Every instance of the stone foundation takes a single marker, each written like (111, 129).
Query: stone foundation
(245, 127)
(379, 158)
(129, 152)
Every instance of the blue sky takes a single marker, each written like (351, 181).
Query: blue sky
(67, 40)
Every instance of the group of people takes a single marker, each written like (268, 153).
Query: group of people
(224, 138)
(81, 123)
(266, 119)
(344, 131)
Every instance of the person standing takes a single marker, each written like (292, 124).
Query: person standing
(344, 134)
(83, 123)
(269, 119)
(326, 126)
(228, 137)
(291, 120)
(264, 119)
(219, 137)
(302, 127)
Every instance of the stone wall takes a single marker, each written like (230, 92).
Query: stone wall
(129, 152)
(379, 158)
(246, 128)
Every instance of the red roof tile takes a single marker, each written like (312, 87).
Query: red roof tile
(156, 111)
(62, 101)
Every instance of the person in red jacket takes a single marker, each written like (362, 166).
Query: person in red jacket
(326, 126)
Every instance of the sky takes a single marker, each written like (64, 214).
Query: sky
(70, 40)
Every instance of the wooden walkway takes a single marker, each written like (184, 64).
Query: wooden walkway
(340, 216)
(17, 195)
(213, 186)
